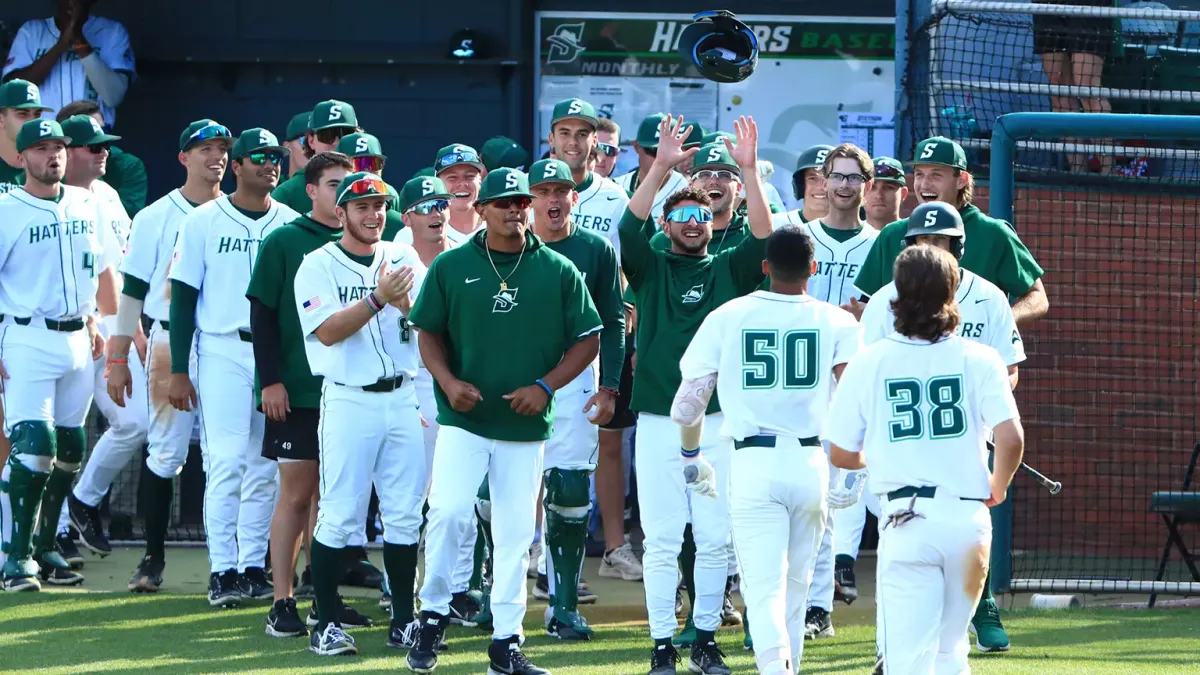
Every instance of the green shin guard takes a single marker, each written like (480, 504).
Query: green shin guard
(71, 445)
(567, 505)
(22, 495)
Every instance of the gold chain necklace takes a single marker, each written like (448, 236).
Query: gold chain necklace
(503, 280)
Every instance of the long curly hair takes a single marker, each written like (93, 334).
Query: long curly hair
(926, 281)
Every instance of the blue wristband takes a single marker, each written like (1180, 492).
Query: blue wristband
(543, 385)
(689, 453)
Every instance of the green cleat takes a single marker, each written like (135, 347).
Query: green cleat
(686, 637)
(989, 632)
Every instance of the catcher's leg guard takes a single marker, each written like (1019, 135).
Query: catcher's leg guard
(71, 444)
(23, 482)
(568, 506)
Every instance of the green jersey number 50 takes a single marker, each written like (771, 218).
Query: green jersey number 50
(768, 358)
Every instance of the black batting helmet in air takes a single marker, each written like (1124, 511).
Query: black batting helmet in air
(937, 218)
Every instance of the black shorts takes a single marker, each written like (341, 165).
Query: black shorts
(623, 418)
(1073, 35)
(294, 438)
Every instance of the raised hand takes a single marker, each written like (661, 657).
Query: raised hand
(671, 134)
(745, 149)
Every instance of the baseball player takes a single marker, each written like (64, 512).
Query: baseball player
(46, 367)
(995, 254)
(715, 173)
(329, 121)
(916, 407)
(287, 391)
(646, 145)
(770, 356)
(601, 201)
(353, 297)
(584, 403)
(888, 191)
(124, 172)
(675, 290)
(366, 153)
(462, 170)
(20, 101)
(608, 146)
(294, 141)
(495, 402)
(211, 270)
(808, 186)
(203, 151)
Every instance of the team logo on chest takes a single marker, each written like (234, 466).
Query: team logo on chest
(694, 294)
(505, 300)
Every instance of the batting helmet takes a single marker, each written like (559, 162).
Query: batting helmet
(723, 48)
(812, 158)
(937, 218)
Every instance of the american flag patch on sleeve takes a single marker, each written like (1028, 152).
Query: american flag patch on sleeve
(311, 303)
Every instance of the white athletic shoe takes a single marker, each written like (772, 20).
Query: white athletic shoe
(621, 563)
(535, 552)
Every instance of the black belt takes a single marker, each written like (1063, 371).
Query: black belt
(924, 492)
(765, 441)
(244, 335)
(381, 386)
(66, 326)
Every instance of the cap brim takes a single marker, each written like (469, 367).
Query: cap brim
(563, 181)
(66, 140)
(335, 125)
(387, 197)
(590, 120)
(897, 181)
(930, 162)
(28, 106)
(429, 198)
(266, 148)
(503, 195)
(98, 139)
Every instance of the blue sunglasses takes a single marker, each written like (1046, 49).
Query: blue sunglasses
(684, 214)
(428, 207)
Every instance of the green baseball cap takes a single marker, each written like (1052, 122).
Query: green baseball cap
(85, 130)
(940, 150)
(714, 156)
(889, 170)
(550, 171)
(695, 138)
(203, 130)
(716, 136)
(503, 183)
(427, 171)
(257, 139)
(500, 152)
(36, 131)
(361, 185)
(22, 95)
(573, 109)
(360, 144)
(332, 114)
(422, 189)
(647, 133)
(453, 155)
(298, 125)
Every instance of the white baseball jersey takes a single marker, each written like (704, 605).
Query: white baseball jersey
(67, 81)
(151, 245)
(601, 204)
(774, 355)
(327, 282)
(986, 317)
(52, 253)
(113, 212)
(793, 217)
(838, 262)
(922, 412)
(675, 182)
(215, 253)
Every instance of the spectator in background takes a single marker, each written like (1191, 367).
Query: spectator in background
(608, 145)
(126, 173)
(888, 191)
(74, 56)
(1073, 50)
(297, 130)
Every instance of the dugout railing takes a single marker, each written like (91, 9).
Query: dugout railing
(1109, 392)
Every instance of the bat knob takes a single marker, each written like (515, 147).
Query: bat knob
(690, 474)
(1056, 488)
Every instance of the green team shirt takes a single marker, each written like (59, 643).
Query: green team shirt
(993, 251)
(11, 177)
(674, 294)
(127, 175)
(498, 340)
(292, 193)
(722, 240)
(596, 260)
(273, 283)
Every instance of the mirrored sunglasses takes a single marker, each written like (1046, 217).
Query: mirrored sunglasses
(211, 131)
(458, 157)
(428, 207)
(888, 172)
(369, 164)
(261, 158)
(607, 149)
(684, 214)
(508, 202)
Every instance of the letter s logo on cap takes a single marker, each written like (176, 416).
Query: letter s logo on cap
(549, 170)
(265, 137)
(821, 155)
(31, 93)
(512, 181)
(426, 187)
(927, 151)
(714, 154)
(360, 144)
(575, 107)
(44, 128)
(335, 113)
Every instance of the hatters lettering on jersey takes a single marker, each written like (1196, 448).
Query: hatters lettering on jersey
(55, 230)
(237, 244)
(837, 270)
(348, 294)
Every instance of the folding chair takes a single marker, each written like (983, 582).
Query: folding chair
(1177, 508)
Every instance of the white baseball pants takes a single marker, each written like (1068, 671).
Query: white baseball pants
(848, 525)
(666, 508)
(777, 508)
(820, 594)
(169, 430)
(239, 491)
(514, 472)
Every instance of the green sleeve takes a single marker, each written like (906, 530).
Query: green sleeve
(430, 312)
(135, 287)
(580, 318)
(127, 175)
(660, 242)
(184, 299)
(1015, 269)
(745, 263)
(268, 273)
(612, 314)
(637, 258)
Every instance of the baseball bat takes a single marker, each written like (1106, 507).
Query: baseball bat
(1053, 486)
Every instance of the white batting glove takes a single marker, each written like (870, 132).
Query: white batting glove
(849, 489)
(699, 477)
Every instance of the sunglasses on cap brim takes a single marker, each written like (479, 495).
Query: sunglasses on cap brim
(685, 214)
(364, 187)
(428, 207)
(508, 202)
(888, 172)
(210, 132)
(458, 158)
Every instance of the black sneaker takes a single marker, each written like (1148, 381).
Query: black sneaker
(730, 616)
(708, 659)
(66, 546)
(347, 616)
(663, 659)
(86, 519)
(284, 620)
(817, 624)
(59, 577)
(463, 610)
(253, 584)
(332, 641)
(148, 576)
(223, 589)
(363, 574)
(304, 590)
(507, 659)
(844, 588)
(422, 657)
